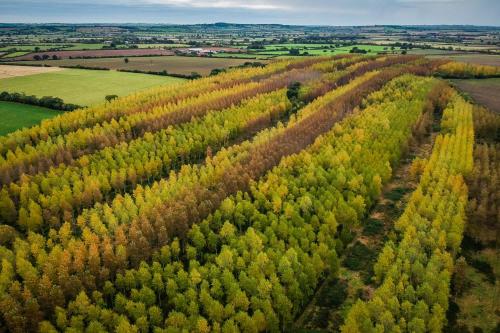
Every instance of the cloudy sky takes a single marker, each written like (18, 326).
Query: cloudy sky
(311, 12)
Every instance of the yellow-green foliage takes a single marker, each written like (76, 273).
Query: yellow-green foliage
(255, 261)
(467, 70)
(414, 274)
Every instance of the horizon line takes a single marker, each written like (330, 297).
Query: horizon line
(235, 23)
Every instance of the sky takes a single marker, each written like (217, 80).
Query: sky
(299, 12)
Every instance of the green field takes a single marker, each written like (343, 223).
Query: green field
(16, 115)
(300, 46)
(322, 49)
(83, 87)
(15, 54)
(172, 64)
(240, 55)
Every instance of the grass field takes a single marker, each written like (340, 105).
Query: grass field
(85, 46)
(156, 46)
(172, 64)
(14, 54)
(15, 116)
(83, 87)
(50, 46)
(302, 46)
(483, 91)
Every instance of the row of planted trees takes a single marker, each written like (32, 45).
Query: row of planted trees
(462, 70)
(47, 199)
(145, 101)
(484, 181)
(413, 273)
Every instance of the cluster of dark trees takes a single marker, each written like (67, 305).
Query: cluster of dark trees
(45, 57)
(50, 102)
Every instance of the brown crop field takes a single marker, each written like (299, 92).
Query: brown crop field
(480, 59)
(483, 91)
(96, 54)
(172, 64)
(7, 71)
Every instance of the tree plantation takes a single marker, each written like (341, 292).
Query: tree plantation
(226, 203)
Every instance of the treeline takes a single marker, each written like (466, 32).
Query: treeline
(414, 271)
(252, 264)
(50, 102)
(192, 76)
(484, 181)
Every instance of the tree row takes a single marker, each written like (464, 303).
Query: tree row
(43, 201)
(66, 148)
(48, 198)
(144, 101)
(461, 70)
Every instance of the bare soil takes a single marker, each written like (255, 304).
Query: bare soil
(484, 91)
(11, 71)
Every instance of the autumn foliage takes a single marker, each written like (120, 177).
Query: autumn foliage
(461, 70)
(414, 272)
(208, 206)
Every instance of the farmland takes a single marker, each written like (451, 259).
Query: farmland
(91, 54)
(324, 49)
(15, 116)
(480, 59)
(172, 64)
(83, 87)
(485, 91)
